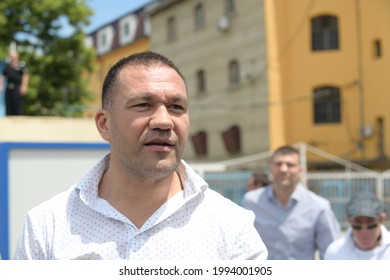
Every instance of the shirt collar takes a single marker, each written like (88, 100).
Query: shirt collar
(295, 196)
(193, 184)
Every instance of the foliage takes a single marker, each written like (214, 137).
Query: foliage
(56, 61)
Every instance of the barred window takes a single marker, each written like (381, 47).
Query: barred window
(234, 73)
(327, 105)
(201, 81)
(230, 6)
(325, 33)
(171, 28)
(200, 19)
(377, 48)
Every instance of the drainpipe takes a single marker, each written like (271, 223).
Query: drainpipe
(360, 77)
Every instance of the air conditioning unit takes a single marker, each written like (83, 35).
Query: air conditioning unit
(223, 23)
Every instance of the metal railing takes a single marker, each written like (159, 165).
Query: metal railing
(337, 187)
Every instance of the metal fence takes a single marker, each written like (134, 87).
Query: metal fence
(337, 187)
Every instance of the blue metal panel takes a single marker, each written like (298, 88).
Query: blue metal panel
(5, 149)
(4, 244)
(231, 185)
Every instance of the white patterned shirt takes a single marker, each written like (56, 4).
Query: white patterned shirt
(344, 248)
(195, 224)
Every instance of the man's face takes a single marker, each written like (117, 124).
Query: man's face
(148, 123)
(366, 231)
(286, 170)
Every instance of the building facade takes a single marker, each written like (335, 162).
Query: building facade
(220, 47)
(113, 41)
(265, 73)
(327, 69)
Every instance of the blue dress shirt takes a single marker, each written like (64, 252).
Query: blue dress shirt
(306, 224)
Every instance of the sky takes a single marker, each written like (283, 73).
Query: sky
(109, 10)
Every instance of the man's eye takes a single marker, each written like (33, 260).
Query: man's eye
(177, 107)
(142, 105)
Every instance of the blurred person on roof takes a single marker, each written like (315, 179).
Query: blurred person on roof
(17, 78)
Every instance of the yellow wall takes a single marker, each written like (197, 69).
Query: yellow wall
(104, 62)
(299, 70)
(276, 114)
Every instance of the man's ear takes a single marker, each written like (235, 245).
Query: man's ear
(102, 124)
(382, 216)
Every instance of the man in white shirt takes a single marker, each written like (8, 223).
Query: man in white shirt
(366, 238)
(142, 201)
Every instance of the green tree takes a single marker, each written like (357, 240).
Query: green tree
(50, 39)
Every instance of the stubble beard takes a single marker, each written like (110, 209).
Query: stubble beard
(150, 167)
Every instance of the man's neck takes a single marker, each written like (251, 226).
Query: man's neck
(283, 193)
(138, 200)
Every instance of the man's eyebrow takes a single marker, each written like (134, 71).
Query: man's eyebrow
(150, 97)
(178, 98)
(137, 96)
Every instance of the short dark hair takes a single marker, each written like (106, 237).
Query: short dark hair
(285, 150)
(144, 59)
(260, 178)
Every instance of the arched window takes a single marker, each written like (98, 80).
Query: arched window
(200, 19)
(201, 81)
(327, 105)
(232, 139)
(234, 73)
(325, 33)
(199, 142)
(171, 28)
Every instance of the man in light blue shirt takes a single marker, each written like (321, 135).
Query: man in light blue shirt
(292, 221)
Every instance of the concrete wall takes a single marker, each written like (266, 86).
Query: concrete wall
(48, 129)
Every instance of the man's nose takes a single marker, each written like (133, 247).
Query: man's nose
(161, 119)
(284, 167)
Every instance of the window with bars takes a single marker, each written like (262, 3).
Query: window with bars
(327, 105)
(171, 28)
(230, 6)
(200, 19)
(377, 48)
(201, 81)
(234, 73)
(325, 33)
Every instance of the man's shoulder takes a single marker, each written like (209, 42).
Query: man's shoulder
(315, 198)
(218, 198)
(337, 249)
(257, 198)
(385, 234)
(257, 192)
(223, 205)
(58, 202)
